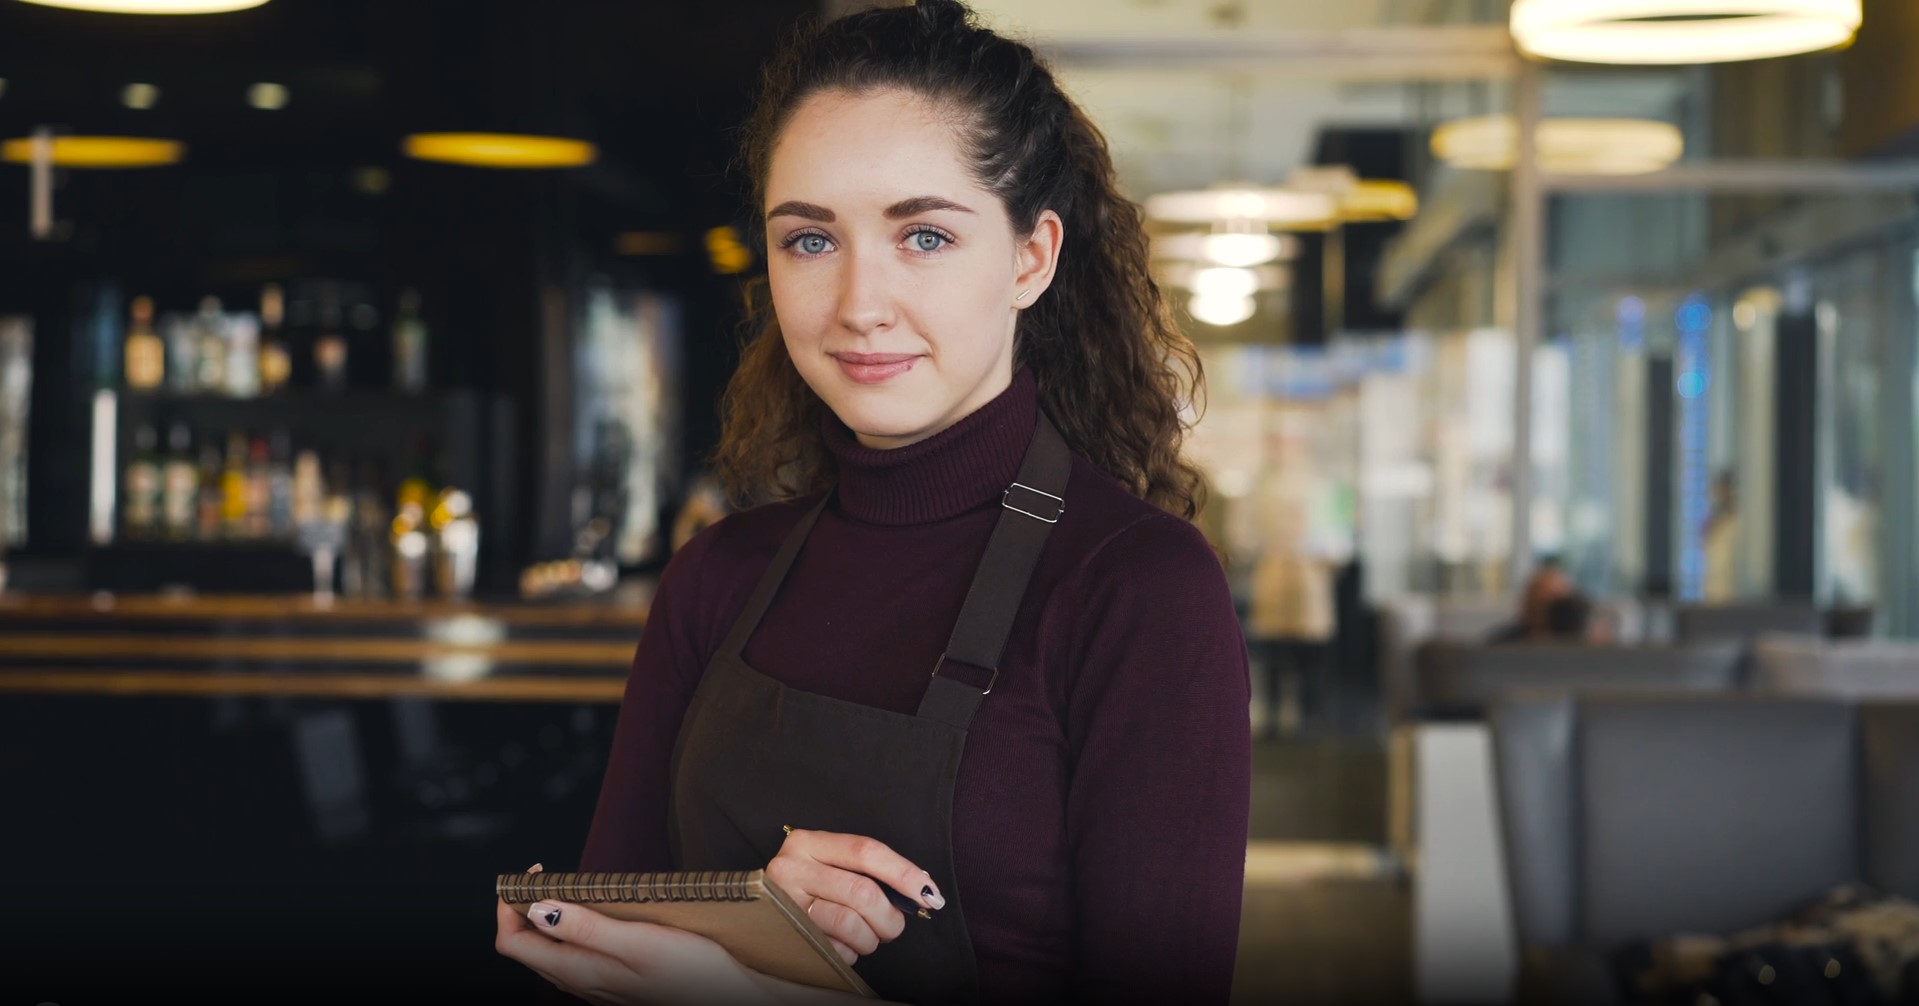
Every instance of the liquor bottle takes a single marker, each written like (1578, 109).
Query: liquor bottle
(281, 484)
(409, 345)
(243, 356)
(233, 488)
(141, 516)
(211, 340)
(212, 497)
(329, 348)
(182, 484)
(259, 520)
(146, 364)
(276, 361)
(309, 489)
(183, 352)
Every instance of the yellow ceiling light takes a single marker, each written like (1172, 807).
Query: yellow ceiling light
(1680, 31)
(1359, 200)
(1565, 146)
(1378, 199)
(501, 150)
(99, 151)
(726, 252)
(153, 6)
(1274, 207)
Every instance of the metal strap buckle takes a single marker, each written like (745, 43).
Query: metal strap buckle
(1058, 510)
(990, 682)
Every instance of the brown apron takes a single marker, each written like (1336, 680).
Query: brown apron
(754, 754)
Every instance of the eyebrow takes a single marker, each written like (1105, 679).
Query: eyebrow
(795, 208)
(904, 208)
(922, 204)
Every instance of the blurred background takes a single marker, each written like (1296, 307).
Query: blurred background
(358, 359)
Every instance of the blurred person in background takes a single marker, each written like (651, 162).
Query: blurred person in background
(960, 307)
(1548, 583)
(1721, 537)
(1575, 619)
(1289, 623)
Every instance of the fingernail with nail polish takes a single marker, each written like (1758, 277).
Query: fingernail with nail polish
(544, 914)
(932, 898)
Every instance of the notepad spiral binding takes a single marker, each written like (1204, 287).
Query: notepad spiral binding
(632, 888)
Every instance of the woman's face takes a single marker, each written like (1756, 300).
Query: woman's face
(897, 279)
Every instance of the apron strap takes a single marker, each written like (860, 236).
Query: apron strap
(1031, 506)
(762, 596)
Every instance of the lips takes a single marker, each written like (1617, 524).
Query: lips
(874, 368)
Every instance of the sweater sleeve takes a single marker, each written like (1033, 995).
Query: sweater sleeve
(1157, 718)
(629, 830)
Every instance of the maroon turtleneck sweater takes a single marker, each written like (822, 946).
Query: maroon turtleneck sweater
(1100, 812)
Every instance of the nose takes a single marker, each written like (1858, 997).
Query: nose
(865, 301)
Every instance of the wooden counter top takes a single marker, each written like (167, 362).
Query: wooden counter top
(292, 647)
(628, 611)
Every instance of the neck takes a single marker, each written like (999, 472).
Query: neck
(967, 463)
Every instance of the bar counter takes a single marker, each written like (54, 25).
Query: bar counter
(297, 646)
(229, 798)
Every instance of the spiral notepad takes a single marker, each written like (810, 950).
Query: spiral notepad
(749, 915)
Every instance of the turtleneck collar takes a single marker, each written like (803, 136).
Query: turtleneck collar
(961, 467)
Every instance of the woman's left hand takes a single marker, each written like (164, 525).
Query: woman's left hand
(612, 961)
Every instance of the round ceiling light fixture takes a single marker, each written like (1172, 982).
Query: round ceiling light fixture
(1659, 32)
(152, 6)
(1220, 311)
(1565, 146)
(500, 150)
(1274, 207)
(1223, 281)
(98, 151)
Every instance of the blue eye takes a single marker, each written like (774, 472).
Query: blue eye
(812, 244)
(928, 241)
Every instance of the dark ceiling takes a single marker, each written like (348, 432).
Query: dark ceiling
(658, 84)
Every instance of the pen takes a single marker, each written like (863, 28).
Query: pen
(901, 901)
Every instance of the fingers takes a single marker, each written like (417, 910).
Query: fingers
(870, 856)
(848, 906)
(846, 926)
(847, 954)
(566, 965)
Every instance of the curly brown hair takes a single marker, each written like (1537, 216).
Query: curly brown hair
(1112, 368)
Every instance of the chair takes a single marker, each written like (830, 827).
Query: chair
(1459, 681)
(1630, 817)
(1799, 665)
(1711, 623)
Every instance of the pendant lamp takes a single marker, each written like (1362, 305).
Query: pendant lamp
(500, 150)
(152, 6)
(1679, 31)
(98, 151)
(1564, 146)
(1274, 207)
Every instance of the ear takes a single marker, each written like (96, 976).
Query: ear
(1035, 258)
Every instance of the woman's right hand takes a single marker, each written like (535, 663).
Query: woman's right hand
(833, 877)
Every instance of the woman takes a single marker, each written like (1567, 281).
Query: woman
(967, 393)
